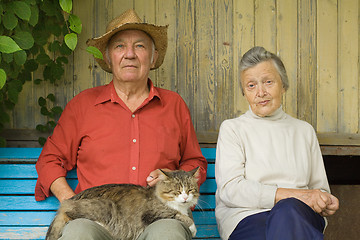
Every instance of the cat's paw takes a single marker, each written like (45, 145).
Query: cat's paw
(193, 229)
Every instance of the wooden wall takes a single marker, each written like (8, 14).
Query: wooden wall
(318, 41)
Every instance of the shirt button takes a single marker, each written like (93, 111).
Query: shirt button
(134, 140)
(133, 116)
(133, 168)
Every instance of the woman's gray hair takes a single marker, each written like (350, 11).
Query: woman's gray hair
(257, 55)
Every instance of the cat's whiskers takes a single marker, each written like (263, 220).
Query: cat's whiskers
(199, 206)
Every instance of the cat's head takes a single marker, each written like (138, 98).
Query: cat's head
(179, 188)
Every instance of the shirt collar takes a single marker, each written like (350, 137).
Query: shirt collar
(109, 94)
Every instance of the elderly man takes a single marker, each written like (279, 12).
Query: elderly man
(121, 132)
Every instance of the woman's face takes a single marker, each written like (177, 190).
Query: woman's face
(263, 88)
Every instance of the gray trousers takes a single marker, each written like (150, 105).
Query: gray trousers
(165, 229)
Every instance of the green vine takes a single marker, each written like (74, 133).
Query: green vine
(34, 35)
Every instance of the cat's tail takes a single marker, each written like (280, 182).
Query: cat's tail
(57, 225)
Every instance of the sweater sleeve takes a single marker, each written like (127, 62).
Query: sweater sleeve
(318, 178)
(234, 189)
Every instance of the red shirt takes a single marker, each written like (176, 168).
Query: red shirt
(107, 143)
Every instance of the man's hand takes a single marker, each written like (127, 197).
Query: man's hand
(154, 176)
(321, 202)
(61, 189)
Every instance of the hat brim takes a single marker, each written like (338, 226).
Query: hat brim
(157, 33)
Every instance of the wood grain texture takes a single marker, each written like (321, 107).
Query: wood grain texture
(327, 71)
(318, 41)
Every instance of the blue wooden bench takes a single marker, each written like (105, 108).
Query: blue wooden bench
(21, 217)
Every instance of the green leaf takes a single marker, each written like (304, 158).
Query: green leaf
(8, 57)
(75, 23)
(57, 71)
(31, 65)
(52, 124)
(57, 110)
(22, 10)
(10, 20)
(42, 102)
(64, 50)
(44, 111)
(40, 36)
(24, 39)
(9, 105)
(35, 49)
(60, 60)
(42, 141)
(16, 84)
(25, 76)
(2, 78)
(37, 81)
(51, 97)
(8, 45)
(95, 52)
(13, 94)
(47, 74)
(4, 117)
(41, 128)
(43, 58)
(53, 27)
(2, 142)
(34, 15)
(31, 2)
(71, 40)
(49, 8)
(66, 5)
(54, 46)
(20, 57)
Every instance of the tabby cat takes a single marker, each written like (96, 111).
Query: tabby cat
(125, 209)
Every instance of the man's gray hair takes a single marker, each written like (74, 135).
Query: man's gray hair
(258, 55)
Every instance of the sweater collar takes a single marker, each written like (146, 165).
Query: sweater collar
(277, 115)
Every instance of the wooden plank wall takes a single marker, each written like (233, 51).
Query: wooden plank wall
(317, 39)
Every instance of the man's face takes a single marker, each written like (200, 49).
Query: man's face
(130, 55)
(263, 88)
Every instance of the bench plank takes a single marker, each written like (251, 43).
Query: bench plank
(33, 218)
(20, 153)
(23, 232)
(27, 171)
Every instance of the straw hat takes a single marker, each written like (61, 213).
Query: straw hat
(130, 20)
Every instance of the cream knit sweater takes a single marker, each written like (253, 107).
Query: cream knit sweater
(256, 155)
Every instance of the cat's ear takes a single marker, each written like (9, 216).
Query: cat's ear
(195, 172)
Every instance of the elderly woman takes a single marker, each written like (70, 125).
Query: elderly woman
(269, 169)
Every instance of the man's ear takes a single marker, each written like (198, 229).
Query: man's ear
(155, 57)
(107, 58)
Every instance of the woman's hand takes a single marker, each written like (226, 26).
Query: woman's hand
(321, 202)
